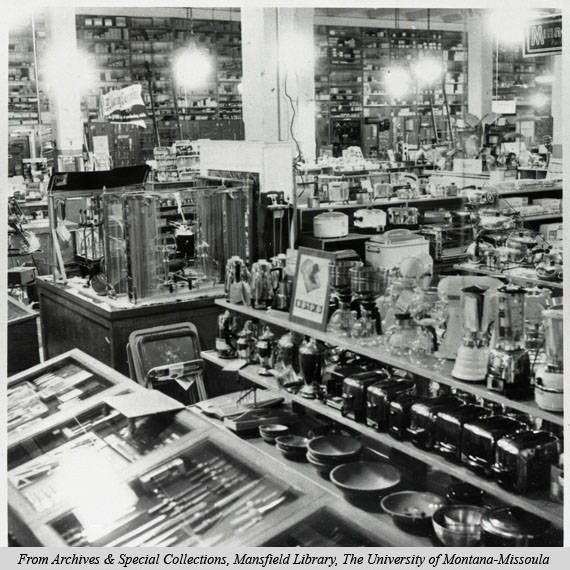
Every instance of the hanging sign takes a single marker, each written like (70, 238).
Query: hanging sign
(543, 36)
(124, 105)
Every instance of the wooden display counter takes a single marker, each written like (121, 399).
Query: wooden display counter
(72, 316)
(23, 347)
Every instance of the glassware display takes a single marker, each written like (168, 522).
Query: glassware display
(429, 310)
(399, 297)
(407, 339)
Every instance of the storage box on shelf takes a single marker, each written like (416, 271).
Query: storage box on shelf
(536, 502)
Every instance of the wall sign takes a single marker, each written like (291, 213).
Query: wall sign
(124, 105)
(543, 36)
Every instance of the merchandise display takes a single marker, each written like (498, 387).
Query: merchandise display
(329, 317)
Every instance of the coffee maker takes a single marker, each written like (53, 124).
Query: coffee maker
(508, 369)
(237, 281)
(471, 362)
(342, 320)
(261, 284)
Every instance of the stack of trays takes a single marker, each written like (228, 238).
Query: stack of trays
(327, 452)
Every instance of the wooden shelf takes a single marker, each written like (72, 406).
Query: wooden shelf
(536, 503)
(379, 353)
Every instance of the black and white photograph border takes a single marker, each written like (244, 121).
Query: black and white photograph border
(163, 154)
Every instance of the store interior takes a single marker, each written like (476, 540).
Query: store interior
(285, 277)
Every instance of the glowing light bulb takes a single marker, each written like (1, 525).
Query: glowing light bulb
(193, 68)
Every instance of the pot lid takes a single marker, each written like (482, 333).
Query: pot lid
(514, 522)
(331, 216)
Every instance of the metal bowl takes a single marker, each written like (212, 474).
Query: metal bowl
(413, 509)
(365, 478)
(334, 449)
(458, 525)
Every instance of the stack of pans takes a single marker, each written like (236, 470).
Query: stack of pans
(327, 452)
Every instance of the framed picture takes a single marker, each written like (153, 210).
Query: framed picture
(311, 288)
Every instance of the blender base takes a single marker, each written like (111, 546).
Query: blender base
(508, 373)
(470, 364)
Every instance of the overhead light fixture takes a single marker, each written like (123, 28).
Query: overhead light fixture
(193, 68)
(398, 82)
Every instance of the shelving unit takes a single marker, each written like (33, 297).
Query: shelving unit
(519, 279)
(514, 76)
(351, 86)
(281, 319)
(122, 45)
(537, 503)
(24, 81)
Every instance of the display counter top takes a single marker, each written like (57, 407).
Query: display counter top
(75, 287)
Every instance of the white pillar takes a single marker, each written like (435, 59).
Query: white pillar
(480, 42)
(278, 59)
(64, 94)
(557, 114)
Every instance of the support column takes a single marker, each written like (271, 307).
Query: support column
(64, 87)
(479, 65)
(557, 114)
(278, 60)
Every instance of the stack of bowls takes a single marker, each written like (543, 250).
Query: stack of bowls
(292, 446)
(458, 525)
(270, 431)
(328, 451)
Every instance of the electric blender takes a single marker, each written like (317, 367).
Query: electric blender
(471, 362)
(508, 369)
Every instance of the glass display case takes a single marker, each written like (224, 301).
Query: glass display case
(200, 497)
(56, 386)
(44, 466)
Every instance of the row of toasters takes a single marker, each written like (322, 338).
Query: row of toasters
(492, 444)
